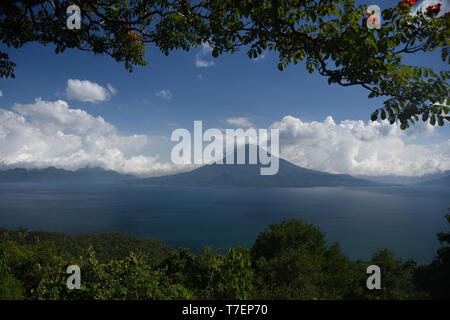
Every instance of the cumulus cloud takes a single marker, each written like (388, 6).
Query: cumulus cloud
(86, 91)
(165, 94)
(50, 133)
(239, 122)
(359, 148)
(200, 58)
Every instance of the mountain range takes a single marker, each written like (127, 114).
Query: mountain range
(411, 180)
(248, 175)
(214, 175)
(52, 174)
(443, 181)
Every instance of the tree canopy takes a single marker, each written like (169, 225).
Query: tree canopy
(331, 36)
(289, 260)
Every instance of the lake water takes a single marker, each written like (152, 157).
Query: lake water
(403, 219)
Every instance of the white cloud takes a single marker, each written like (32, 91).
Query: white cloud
(50, 116)
(200, 58)
(111, 89)
(1, 93)
(239, 122)
(359, 148)
(86, 91)
(165, 94)
(48, 133)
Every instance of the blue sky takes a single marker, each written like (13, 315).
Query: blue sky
(234, 87)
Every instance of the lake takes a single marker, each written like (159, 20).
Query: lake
(403, 219)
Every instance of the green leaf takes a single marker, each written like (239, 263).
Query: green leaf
(374, 116)
(433, 120)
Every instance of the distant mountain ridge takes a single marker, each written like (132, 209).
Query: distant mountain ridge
(406, 180)
(443, 181)
(214, 175)
(248, 175)
(52, 174)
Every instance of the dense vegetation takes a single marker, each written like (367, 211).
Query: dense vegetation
(332, 37)
(290, 260)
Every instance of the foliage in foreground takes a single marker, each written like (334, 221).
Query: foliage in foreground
(290, 260)
(331, 36)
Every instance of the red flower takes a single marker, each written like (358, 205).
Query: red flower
(4, 55)
(134, 35)
(432, 11)
(408, 2)
(365, 19)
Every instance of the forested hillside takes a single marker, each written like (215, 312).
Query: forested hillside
(107, 246)
(290, 260)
